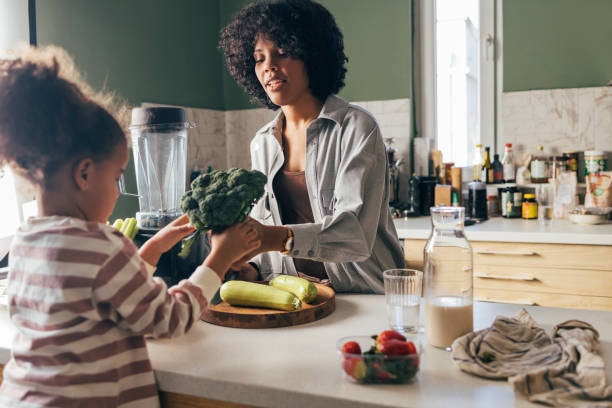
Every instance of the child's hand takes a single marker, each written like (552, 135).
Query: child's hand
(231, 245)
(165, 239)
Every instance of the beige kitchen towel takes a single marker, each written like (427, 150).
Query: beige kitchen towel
(565, 370)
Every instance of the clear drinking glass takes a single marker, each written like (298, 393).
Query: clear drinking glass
(545, 196)
(448, 293)
(403, 298)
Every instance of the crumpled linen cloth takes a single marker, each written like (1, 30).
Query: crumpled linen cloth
(564, 370)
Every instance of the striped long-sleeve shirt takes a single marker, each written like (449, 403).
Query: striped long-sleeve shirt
(83, 300)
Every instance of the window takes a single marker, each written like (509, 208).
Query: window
(457, 62)
(9, 208)
(457, 79)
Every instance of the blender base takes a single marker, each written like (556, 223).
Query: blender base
(171, 267)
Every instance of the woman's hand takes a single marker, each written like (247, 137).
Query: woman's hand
(272, 238)
(165, 239)
(230, 245)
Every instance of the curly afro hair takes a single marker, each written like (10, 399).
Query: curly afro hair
(303, 29)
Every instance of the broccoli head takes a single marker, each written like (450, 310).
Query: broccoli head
(220, 199)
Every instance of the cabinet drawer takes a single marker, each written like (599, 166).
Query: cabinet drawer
(543, 299)
(579, 257)
(548, 280)
(598, 257)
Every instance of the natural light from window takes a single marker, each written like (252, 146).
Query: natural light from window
(457, 79)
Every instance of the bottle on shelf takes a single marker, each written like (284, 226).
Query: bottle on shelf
(498, 170)
(487, 170)
(414, 201)
(508, 164)
(478, 163)
(539, 167)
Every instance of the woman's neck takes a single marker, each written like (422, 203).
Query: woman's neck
(300, 114)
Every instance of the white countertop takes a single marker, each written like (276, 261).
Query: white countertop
(299, 367)
(516, 230)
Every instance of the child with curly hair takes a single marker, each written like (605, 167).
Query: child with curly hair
(326, 208)
(81, 295)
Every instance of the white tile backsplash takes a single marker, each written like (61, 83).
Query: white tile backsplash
(221, 138)
(558, 119)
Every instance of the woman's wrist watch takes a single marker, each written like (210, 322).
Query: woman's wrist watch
(288, 243)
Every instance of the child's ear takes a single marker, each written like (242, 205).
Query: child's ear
(82, 173)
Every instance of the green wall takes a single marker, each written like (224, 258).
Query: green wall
(147, 50)
(556, 44)
(377, 43)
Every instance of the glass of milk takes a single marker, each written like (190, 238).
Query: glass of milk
(403, 298)
(448, 292)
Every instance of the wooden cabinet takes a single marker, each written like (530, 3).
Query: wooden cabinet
(556, 275)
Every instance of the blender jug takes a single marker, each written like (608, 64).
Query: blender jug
(159, 145)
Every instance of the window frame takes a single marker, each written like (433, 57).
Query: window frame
(490, 71)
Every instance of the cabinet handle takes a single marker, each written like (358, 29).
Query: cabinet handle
(504, 277)
(520, 253)
(511, 302)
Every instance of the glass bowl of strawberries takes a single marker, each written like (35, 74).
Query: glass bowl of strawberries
(386, 358)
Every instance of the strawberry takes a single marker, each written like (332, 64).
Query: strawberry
(354, 367)
(395, 347)
(412, 348)
(387, 335)
(351, 347)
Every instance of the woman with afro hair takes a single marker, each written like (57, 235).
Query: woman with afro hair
(325, 214)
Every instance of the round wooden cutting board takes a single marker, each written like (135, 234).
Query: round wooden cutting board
(223, 314)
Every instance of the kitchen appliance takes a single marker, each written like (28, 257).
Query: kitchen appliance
(159, 147)
(394, 173)
(427, 187)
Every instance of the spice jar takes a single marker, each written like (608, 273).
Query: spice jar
(511, 202)
(530, 207)
(539, 167)
(594, 162)
(492, 205)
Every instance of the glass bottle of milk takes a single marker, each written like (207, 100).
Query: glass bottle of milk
(448, 293)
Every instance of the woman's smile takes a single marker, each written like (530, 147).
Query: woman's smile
(274, 84)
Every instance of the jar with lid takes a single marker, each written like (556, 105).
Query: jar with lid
(595, 161)
(572, 160)
(557, 165)
(539, 167)
(492, 205)
(512, 200)
(448, 290)
(530, 207)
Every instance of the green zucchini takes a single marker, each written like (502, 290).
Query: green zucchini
(305, 290)
(241, 293)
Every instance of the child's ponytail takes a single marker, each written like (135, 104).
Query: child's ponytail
(49, 116)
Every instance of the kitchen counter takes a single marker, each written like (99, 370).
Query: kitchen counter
(299, 367)
(501, 229)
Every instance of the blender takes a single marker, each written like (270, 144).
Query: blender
(159, 147)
